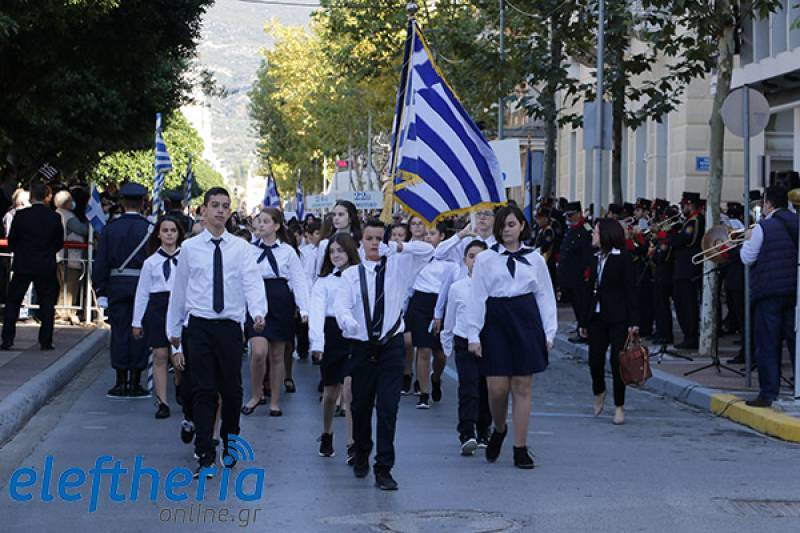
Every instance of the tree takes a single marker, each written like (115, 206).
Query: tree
(86, 77)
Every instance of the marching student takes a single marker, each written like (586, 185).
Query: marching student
(216, 284)
(152, 298)
(369, 310)
(286, 286)
(428, 283)
(452, 249)
(327, 343)
(308, 257)
(474, 417)
(512, 321)
(345, 220)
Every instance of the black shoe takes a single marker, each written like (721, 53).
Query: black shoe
(423, 403)
(523, 458)
(288, 384)
(187, 431)
(759, 401)
(138, 392)
(416, 387)
(47, 347)
(436, 390)
(163, 411)
(351, 455)
(384, 479)
(406, 390)
(468, 444)
(247, 411)
(483, 441)
(118, 391)
(275, 412)
(495, 445)
(6, 346)
(227, 459)
(360, 465)
(326, 445)
(205, 463)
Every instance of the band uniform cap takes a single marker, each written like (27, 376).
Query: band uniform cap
(615, 209)
(693, 197)
(643, 203)
(755, 196)
(660, 203)
(628, 208)
(543, 212)
(572, 207)
(133, 191)
(734, 209)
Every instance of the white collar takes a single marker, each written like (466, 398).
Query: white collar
(207, 236)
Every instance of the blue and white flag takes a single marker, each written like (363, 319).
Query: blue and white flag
(94, 211)
(300, 210)
(271, 196)
(441, 162)
(162, 166)
(189, 182)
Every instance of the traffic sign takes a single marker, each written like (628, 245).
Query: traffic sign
(733, 112)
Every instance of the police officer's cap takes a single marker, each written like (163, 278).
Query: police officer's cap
(572, 207)
(133, 191)
(173, 196)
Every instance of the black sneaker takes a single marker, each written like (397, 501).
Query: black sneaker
(759, 401)
(416, 387)
(118, 391)
(468, 444)
(483, 441)
(227, 459)
(436, 390)
(423, 403)
(326, 445)
(138, 392)
(406, 390)
(351, 455)
(384, 479)
(205, 464)
(187, 431)
(495, 445)
(523, 458)
(360, 465)
(163, 411)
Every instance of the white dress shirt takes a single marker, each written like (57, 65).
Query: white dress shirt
(151, 280)
(452, 249)
(752, 246)
(323, 298)
(308, 256)
(290, 268)
(433, 276)
(193, 289)
(491, 279)
(455, 319)
(349, 308)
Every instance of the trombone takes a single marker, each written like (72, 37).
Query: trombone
(667, 223)
(718, 241)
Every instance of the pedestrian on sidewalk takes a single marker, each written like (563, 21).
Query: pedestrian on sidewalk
(369, 310)
(286, 287)
(474, 416)
(152, 298)
(771, 251)
(328, 344)
(35, 238)
(611, 312)
(512, 323)
(216, 283)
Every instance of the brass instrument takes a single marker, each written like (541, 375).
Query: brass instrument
(667, 223)
(718, 241)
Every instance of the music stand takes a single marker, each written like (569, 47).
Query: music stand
(663, 350)
(715, 363)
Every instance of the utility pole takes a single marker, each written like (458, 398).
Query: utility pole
(598, 148)
(369, 148)
(501, 111)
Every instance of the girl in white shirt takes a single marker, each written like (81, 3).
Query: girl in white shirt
(152, 298)
(345, 220)
(512, 321)
(286, 286)
(427, 284)
(417, 232)
(328, 345)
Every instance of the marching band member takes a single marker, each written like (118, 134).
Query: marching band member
(574, 257)
(686, 289)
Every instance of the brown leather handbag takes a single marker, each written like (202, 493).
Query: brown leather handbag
(634, 361)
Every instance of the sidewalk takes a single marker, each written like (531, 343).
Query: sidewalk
(722, 393)
(29, 376)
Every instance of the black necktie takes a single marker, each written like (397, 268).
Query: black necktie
(270, 256)
(338, 273)
(219, 288)
(169, 260)
(377, 314)
(519, 255)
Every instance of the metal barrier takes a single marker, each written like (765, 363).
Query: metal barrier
(87, 299)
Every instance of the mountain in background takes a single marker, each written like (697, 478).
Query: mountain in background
(232, 39)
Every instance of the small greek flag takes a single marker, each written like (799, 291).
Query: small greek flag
(94, 211)
(271, 196)
(301, 205)
(189, 181)
(441, 162)
(162, 166)
(48, 171)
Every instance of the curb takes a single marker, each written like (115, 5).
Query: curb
(23, 403)
(715, 401)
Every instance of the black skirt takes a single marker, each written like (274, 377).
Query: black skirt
(513, 340)
(336, 357)
(154, 322)
(280, 325)
(419, 318)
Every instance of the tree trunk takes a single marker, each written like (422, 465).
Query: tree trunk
(551, 117)
(709, 318)
(618, 120)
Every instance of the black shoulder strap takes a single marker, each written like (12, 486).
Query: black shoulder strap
(362, 277)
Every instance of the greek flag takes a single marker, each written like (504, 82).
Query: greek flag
(189, 181)
(301, 204)
(271, 196)
(162, 166)
(441, 162)
(94, 211)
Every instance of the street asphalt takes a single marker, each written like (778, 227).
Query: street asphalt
(669, 468)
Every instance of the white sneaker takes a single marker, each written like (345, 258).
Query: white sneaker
(469, 446)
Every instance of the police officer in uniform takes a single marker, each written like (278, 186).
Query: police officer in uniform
(121, 252)
(687, 277)
(574, 257)
(173, 205)
(661, 256)
(545, 241)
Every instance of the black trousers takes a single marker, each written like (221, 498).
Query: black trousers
(473, 395)
(603, 335)
(215, 355)
(686, 294)
(376, 384)
(574, 297)
(646, 311)
(46, 287)
(662, 308)
(127, 353)
(302, 337)
(186, 379)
